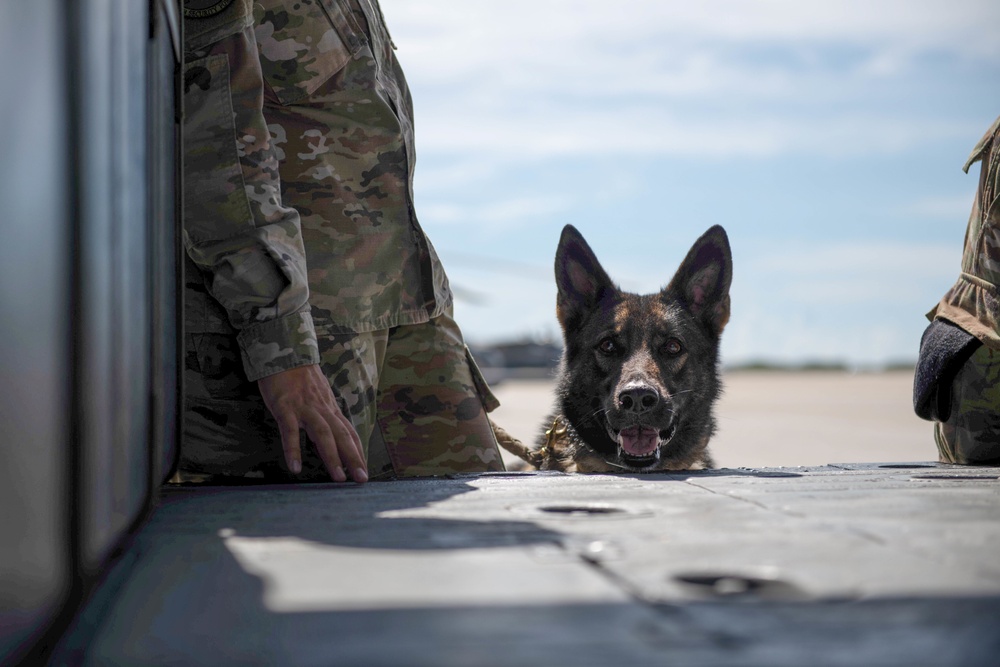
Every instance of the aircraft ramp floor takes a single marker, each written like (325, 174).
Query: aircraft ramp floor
(867, 564)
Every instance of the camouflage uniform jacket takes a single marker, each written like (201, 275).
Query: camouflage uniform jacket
(370, 266)
(973, 302)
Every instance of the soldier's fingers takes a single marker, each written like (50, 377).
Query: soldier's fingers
(352, 454)
(323, 438)
(288, 427)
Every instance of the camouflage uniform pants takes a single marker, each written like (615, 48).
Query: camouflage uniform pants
(972, 432)
(413, 393)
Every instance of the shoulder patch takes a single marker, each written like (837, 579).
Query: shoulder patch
(203, 9)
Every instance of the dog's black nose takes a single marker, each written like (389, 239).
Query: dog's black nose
(638, 399)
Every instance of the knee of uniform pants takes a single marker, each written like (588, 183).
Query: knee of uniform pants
(350, 361)
(234, 438)
(227, 429)
(224, 438)
(972, 433)
(431, 413)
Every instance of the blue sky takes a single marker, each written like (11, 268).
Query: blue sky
(826, 137)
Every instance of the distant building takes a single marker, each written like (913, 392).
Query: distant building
(519, 360)
(530, 354)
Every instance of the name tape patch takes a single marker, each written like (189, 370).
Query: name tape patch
(203, 9)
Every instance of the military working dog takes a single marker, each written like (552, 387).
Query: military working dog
(639, 373)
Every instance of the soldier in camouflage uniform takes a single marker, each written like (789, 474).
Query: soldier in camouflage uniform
(957, 383)
(305, 254)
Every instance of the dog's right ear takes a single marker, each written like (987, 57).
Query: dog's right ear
(581, 280)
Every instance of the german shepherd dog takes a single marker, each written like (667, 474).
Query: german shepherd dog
(639, 373)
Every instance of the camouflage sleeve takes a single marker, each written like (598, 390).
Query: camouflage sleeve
(967, 431)
(247, 245)
(973, 302)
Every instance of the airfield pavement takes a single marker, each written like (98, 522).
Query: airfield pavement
(778, 418)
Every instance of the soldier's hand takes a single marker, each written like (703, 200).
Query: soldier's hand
(302, 398)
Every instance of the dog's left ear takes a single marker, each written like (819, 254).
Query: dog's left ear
(703, 279)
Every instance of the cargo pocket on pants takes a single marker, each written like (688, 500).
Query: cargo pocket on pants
(215, 369)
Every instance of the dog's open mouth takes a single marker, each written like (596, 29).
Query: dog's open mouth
(639, 446)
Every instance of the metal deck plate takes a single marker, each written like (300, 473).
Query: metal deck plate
(865, 564)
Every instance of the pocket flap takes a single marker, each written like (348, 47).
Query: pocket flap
(490, 402)
(302, 45)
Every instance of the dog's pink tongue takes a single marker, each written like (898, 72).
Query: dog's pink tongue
(639, 441)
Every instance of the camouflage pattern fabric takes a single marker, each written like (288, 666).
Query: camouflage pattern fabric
(432, 403)
(413, 393)
(972, 432)
(320, 176)
(340, 113)
(973, 303)
(339, 130)
(243, 243)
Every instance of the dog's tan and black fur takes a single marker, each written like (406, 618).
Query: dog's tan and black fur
(639, 374)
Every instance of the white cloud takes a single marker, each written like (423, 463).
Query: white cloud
(500, 215)
(453, 175)
(776, 335)
(874, 256)
(649, 130)
(870, 88)
(861, 302)
(431, 27)
(951, 208)
(565, 77)
(856, 273)
(511, 308)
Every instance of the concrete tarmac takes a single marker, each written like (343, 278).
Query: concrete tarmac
(777, 418)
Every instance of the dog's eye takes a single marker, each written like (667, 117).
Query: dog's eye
(673, 347)
(607, 346)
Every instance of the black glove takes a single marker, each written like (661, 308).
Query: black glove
(944, 349)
